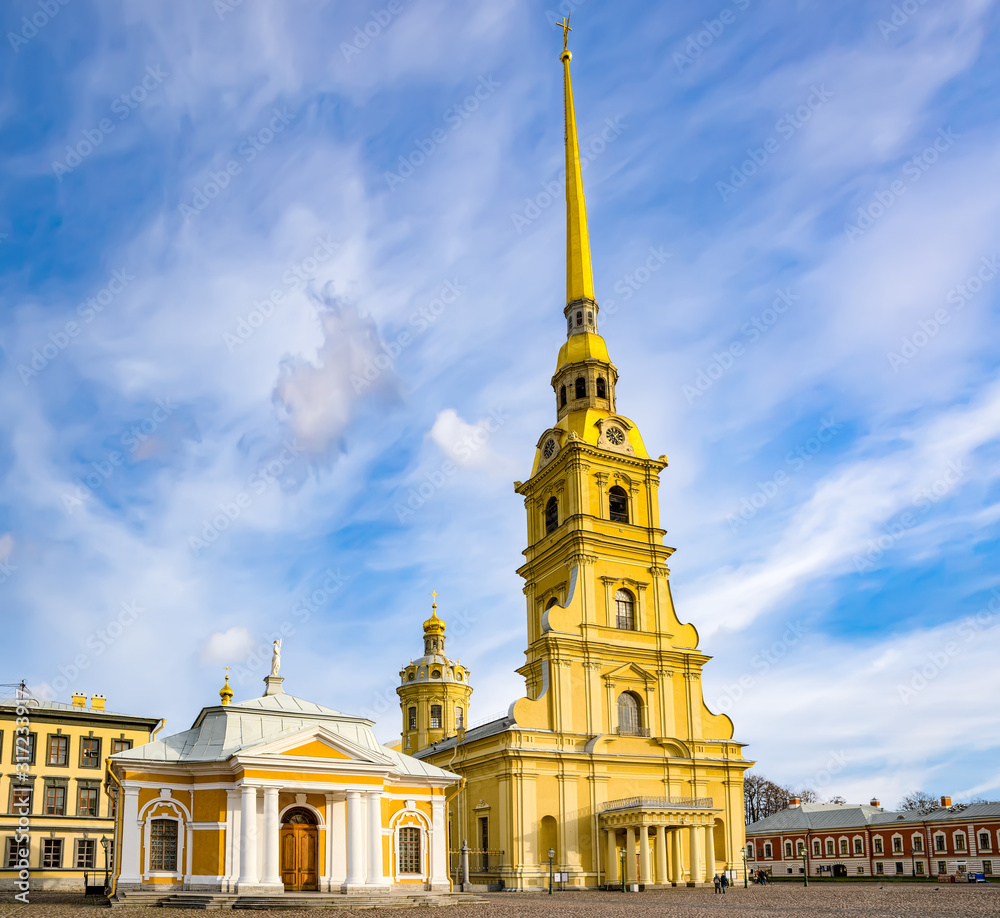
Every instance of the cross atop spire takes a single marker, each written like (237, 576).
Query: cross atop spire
(564, 25)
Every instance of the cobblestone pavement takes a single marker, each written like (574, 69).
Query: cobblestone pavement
(842, 900)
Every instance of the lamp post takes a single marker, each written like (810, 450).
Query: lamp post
(805, 868)
(743, 854)
(623, 869)
(104, 845)
(552, 854)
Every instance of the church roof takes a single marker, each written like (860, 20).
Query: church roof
(223, 731)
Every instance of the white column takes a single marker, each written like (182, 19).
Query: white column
(630, 855)
(710, 852)
(248, 837)
(130, 869)
(272, 868)
(376, 872)
(438, 872)
(354, 842)
(661, 855)
(644, 876)
(326, 883)
(232, 831)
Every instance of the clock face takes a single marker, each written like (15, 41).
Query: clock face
(549, 448)
(616, 436)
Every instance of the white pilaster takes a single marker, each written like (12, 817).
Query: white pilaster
(131, 829)
(376, 871)
(232, 867)
(248, 837)
(438, 872)
(354, 841)
(272, 868)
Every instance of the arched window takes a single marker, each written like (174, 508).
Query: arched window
(767, 850)
(409, 849)
(163, 844)
(590, 318)
(602, 387)
(562, 396)
(816, 849)
(551, 515)
(788, 849)
(750, 852)
(435, 717)
(581, 387)
(618, 505)
(579, 318)
(411, 715)
(629, 722)
(459, 718)
(829, 847)
(625, 610)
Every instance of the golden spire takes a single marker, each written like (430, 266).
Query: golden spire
(226, 693)
(579, 273)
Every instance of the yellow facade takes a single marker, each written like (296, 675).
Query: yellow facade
(55, 811)
(273, 795)
(612, 760)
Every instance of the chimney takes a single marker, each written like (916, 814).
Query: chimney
(79, 700)
(795, 801)
(97, 703)
(875, 802)
(946, 801)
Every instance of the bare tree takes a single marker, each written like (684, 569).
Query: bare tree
(837, 799)
(763, 798)
(918, 801)
(808, 795)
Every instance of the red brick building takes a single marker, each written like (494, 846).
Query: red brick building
(830, 839)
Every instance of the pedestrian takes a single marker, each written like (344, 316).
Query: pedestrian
(724, 882)
(717, 882)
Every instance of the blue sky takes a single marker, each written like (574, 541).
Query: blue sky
(280, 298)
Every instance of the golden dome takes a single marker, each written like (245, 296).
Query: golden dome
(226, 693)
(434, 625)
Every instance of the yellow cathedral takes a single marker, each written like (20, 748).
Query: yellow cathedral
(612, 761)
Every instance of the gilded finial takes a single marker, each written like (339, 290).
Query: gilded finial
(226, 693)
(564, 25)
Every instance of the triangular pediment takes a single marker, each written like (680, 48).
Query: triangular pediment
(630, 671)
(317, 742)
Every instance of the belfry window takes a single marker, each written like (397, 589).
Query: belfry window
(435, 717)
(579, 318)
(590, 318)
(562, 396)
(625, 610)
(411, 719)
(551, 515)
(602, 387)
(629, 722)
(459, 718)
(618, 505)
(569, 323)
(581, 387)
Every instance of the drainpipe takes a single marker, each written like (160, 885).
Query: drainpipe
(118, 820)
(447, 800)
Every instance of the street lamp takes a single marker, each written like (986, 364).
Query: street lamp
(743, 854)
(805, 867)
(623, 869)
(104, 845)
(552, 854)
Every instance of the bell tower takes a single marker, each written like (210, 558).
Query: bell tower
(604, 642)
(434, 692)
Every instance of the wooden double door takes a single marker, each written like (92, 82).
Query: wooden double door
(299, 850)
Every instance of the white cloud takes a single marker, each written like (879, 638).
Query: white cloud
(228, 647)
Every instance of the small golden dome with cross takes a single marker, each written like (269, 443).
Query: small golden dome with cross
(434, 625)
(226, 693)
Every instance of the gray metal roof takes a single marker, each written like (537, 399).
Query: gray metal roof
(58, 707)
(221, 731)
(500, 725)
(830, 816)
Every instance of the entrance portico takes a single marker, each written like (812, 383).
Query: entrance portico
(675, 837)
